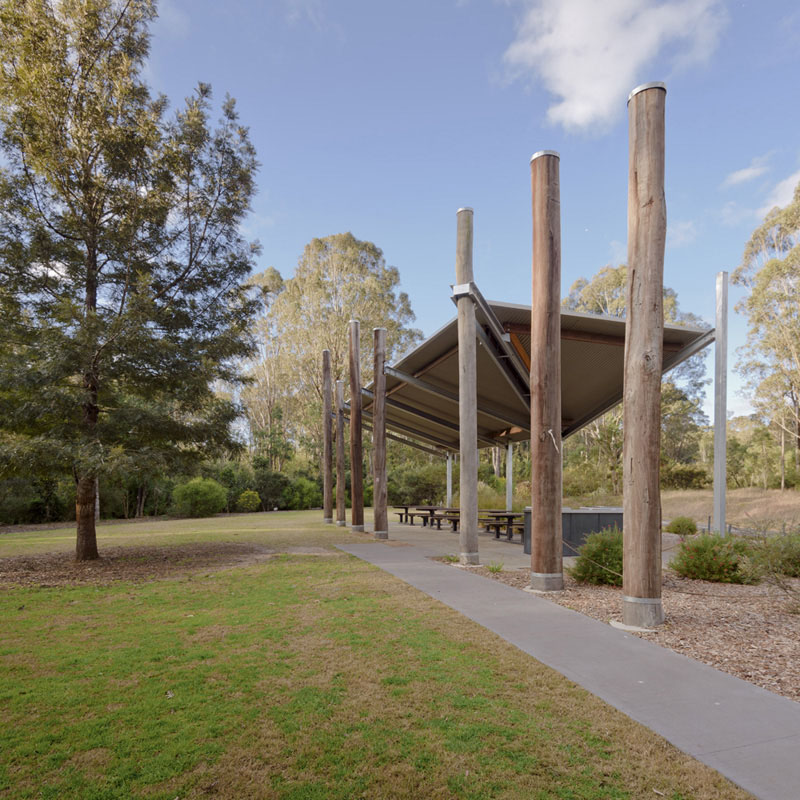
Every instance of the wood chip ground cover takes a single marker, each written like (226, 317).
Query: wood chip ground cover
(294, 676)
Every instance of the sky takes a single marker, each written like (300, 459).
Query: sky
(383, 118)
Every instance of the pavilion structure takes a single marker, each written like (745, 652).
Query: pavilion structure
(500, 373)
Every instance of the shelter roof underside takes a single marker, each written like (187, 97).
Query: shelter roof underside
(422, 388)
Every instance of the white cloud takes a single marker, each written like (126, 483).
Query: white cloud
(681, 233)
(732, 214)
(590, 54)
(310, 11)
(781, 194)
(757, 167)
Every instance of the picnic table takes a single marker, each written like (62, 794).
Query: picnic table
(509, 516)
(404, 513)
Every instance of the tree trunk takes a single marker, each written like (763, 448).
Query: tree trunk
(783, 458)
(141, 496)
(496, 460)
(86, 543)
(86, 546)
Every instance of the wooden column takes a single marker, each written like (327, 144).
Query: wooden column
(327, 440)
(379, 501)
(341, 488)
(546, 562)
(644, 338)
(467, 393)
(449, 499)
(509, 476)
(356, 449)
(721, 404)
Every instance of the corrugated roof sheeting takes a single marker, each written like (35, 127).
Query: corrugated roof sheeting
(592, 363)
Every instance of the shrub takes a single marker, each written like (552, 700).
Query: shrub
(683, 476)
(302, 493)
(248, 501)
(600, 558)
(423, 485)
(709, 557)
(683, 526)
(199, 497)
(778, 555)
(271, 487)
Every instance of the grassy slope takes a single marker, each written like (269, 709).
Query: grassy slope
(301, 677)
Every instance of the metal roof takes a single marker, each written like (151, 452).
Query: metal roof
(422, 388)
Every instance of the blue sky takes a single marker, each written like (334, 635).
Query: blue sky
(383, 118)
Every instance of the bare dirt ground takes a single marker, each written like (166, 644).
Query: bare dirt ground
(136, 563)
(747, 631)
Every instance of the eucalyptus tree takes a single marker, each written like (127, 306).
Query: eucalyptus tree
(120, 258)
(682, 390)
(770, 359)
(337, 278)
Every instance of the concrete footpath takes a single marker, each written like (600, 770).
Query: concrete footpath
(747, 733)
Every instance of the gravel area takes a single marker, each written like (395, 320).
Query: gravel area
(748, 631)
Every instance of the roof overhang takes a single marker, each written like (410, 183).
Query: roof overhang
(422, 388)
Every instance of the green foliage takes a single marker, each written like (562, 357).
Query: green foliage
(199, 497)
(495, 566)
(418, 485)
(683, 476)
(119, 249)
(270, 485)
(709, 557)
(248, 501)
(302, 493)
(235, 476)
(778, 554)
(683, 526)
(337, 278)
(600, 558)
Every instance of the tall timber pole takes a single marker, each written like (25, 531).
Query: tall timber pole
(356, 447)
(379, 501)
(720, 402)
(341, 488)
(546, 560)
(327, 439)
(467, 393)
(644, 337)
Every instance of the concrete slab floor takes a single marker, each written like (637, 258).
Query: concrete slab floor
(747, 733)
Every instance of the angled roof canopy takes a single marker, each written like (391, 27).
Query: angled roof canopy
(422, 388)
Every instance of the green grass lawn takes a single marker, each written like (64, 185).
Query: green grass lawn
(303, 676)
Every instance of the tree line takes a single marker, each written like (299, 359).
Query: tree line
(143, 349)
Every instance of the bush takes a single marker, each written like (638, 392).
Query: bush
(271, 487)
(683, 476)
(302, 493)
(600, 558)
(778, 555)
(425, 485)
(709, 557)
(199, 497)
(248, 501)
(683, 526)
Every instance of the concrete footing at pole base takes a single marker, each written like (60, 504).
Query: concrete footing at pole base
(547, 581)
(357, 528)
(469, 558)
(341, 524)
(328, 520)
(642, 612)
(381, 534)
